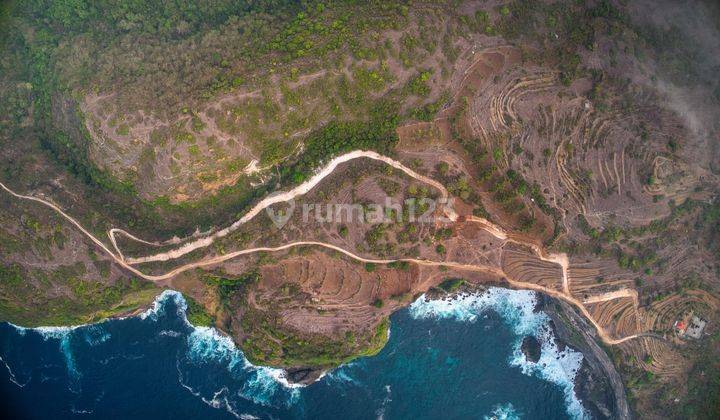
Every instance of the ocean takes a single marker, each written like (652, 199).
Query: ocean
(450, 359)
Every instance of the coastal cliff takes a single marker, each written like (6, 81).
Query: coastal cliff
(598, 383)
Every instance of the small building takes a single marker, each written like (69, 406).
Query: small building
(690, 326)
(696, 327)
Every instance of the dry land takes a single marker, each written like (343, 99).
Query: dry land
(578, 142)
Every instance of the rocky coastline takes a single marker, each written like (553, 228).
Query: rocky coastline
(597, 384)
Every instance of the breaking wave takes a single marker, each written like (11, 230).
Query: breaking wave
(517, 309)
(158, 305)
(503, 412)
(64, 336)
(259, 384)
(212, 368)
(207, 346)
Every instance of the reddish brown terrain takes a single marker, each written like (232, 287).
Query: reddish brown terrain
(578, 144)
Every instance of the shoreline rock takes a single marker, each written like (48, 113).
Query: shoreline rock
(597, 384)
(303, 375)
(531, 348)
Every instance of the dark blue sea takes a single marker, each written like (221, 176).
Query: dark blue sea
(444, 359)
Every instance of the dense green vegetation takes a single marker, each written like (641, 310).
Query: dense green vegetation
(269, 342)
(23, 291)
(338, 137)
(196, 313)
(228, 287)
(97, 44)
(79, 47)
(451, 285)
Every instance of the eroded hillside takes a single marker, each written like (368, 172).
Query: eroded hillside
(577, 141)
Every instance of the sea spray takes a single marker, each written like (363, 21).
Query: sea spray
(517, 309)
(159, 305)
(207, 349)
(95, 334)
(260, 384)
(64, 336)
(503, 412)
(380, 413)
(207, 343)
(341, 376)
(559, 367)
(12, 377)
(212, 369)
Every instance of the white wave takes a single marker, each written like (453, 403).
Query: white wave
(517, 308)
(341, 376)
(278, 375)
(95, 335)
(63, 335)
(78, 411)
(158, 304)
(559, 367)
(170, 333)
(380, 413)
(214, 401)
(48, 332)
(12, 377)
(263, 384)
(503, 412)
(207, 343)
(204, 342)
(260, 384)
(220, 400)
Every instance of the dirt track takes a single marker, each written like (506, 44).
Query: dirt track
(127, 263)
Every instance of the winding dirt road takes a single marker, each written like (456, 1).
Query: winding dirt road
(282, 197)
(207, 239)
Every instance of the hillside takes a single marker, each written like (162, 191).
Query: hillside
(578, 141)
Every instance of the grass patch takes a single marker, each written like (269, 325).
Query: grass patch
(451, 285)
(196, 313)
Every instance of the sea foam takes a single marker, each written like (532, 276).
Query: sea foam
(205, 345)
(159, 305)
(208, 344)
(503, 412)
(95, 334)
(517, 309)
(12, 376)
(260, 384)
(64, 336)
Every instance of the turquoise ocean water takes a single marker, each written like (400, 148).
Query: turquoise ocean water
(445, 359)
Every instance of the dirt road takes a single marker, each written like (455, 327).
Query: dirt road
(498, 232)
